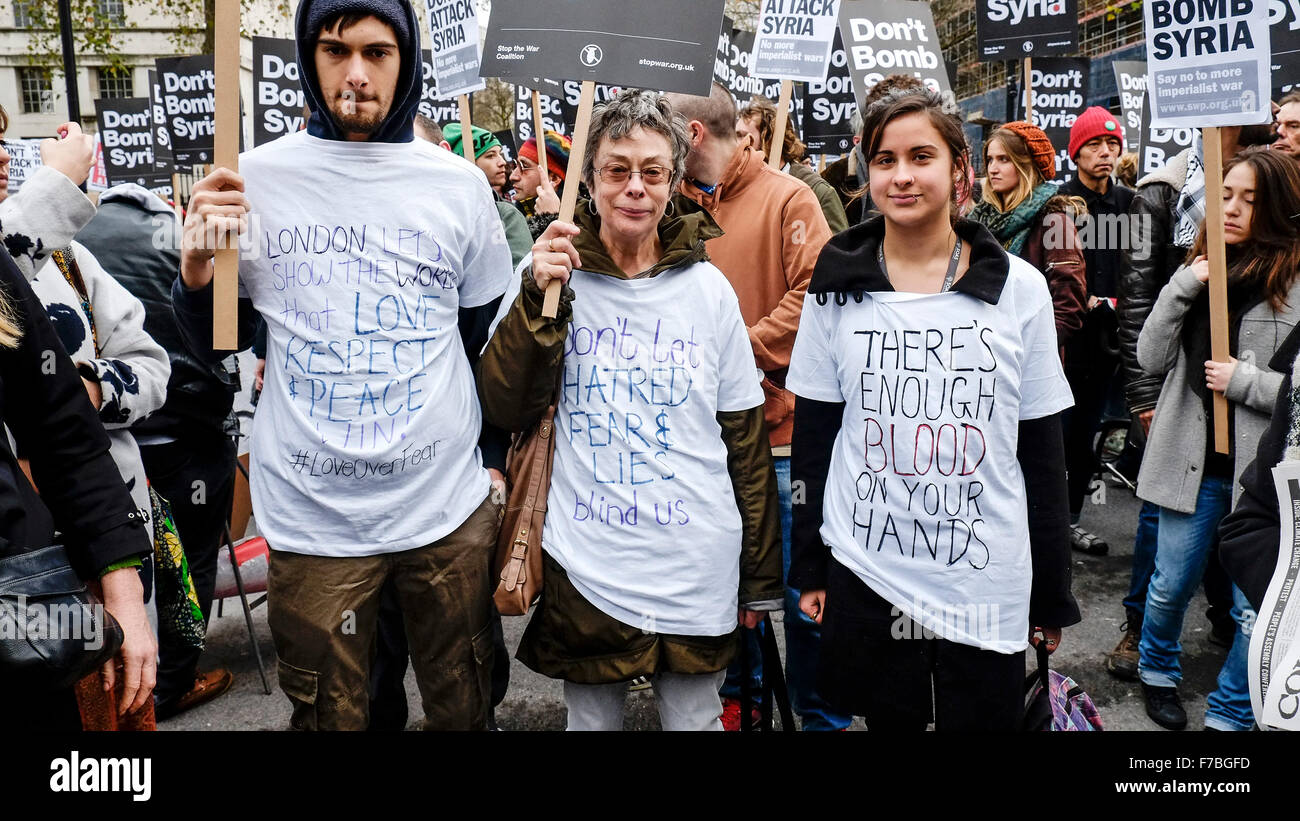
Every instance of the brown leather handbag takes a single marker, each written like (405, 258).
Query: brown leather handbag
(519, 546)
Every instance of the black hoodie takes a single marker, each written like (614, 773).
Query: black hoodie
(397, 127)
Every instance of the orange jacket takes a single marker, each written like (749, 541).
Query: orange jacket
(773, 230)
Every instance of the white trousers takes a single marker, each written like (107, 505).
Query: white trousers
(686, 702)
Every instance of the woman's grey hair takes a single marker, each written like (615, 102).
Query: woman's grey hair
(634, 108)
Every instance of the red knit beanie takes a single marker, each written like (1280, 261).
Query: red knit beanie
(1040, 148)
(1092, 123)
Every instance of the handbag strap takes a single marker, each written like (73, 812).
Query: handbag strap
(774, 687)
(66, 261)
(1044, 664)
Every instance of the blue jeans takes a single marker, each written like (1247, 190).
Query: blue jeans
(1228, 707)
(1144, 564)
(1182, 551)
(802, 639)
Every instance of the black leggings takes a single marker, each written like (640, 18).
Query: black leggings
(902, 684)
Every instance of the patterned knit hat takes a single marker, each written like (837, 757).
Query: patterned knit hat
(484, 140)
(557, 152)
(1040, 148)
(1092, 123)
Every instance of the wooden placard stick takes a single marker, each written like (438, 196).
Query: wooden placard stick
(225, 289)
(1029, 90)
(778, 129)
(539, 134)
(569, 200)
(1218, 260)
(466, 134)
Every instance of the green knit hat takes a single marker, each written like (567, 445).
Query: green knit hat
(484, 140)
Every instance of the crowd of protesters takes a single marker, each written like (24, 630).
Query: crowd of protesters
(927, 352)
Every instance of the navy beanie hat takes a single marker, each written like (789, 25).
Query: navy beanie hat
(390, 11)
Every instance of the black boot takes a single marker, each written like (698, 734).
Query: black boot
(1164, 707)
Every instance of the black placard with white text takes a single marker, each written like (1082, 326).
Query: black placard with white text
(188, 91)
(125, 130)
(1014, 29)
(162, 140)
(829, 107)
(1060, 95)
(1159, 145)
(1131, 80)
(667, 45)
(884, 37)
(1284, 41)
(278, 100)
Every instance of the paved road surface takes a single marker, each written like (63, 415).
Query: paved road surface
(536, 703)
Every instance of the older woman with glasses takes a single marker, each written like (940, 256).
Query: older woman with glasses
(661, 532)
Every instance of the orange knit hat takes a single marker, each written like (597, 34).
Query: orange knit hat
(1040, 148)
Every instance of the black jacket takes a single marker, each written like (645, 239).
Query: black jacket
(46, 408)
(1248, 536)
(1150, 259)
(121, 236)
(847, 264)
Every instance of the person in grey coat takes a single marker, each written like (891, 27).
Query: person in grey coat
(1193, 485)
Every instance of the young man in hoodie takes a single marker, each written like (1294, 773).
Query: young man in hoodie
(773, 230)
(365, 465)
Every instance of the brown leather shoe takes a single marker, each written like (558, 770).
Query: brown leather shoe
(1122, 662)
(207, 686)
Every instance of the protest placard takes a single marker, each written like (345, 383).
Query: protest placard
(885, 37)
(432, 105)
(1060, 91)
(508, 149)
(1012, 29)
(24, 159)
(453, 41)
(667, 45)
(744, 86)
(162, 136)
(1273, 660)
(676, 50)
(829, 106)
(1208, 66)
(278, 100)
(98, 178)
(1207, 62)
(125, 131)
(187, 92)
(1284, 42)
(793, 39)
(559, 104)
(1159, 145)
(1131, 82)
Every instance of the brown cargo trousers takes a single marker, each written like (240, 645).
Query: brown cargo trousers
(323, 610)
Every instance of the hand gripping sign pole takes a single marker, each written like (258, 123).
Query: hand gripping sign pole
(778, 130)
(1217, 257)
(551, 305)
(225, 289)
(610, 41)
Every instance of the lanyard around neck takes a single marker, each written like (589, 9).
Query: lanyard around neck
(948, 278)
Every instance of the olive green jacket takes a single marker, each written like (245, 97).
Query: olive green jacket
(568, 637)
(826, 196)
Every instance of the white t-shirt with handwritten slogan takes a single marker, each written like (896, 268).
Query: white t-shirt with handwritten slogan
(641, 513)
(361, 255)
(925, 500)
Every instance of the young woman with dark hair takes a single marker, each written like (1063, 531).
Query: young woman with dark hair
(1193, 485)
(926, 357)
(1031, 220)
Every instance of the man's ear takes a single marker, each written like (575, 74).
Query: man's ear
(697, 133)
(445, 145)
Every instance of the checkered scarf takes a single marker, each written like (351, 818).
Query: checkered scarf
(1190, 208)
